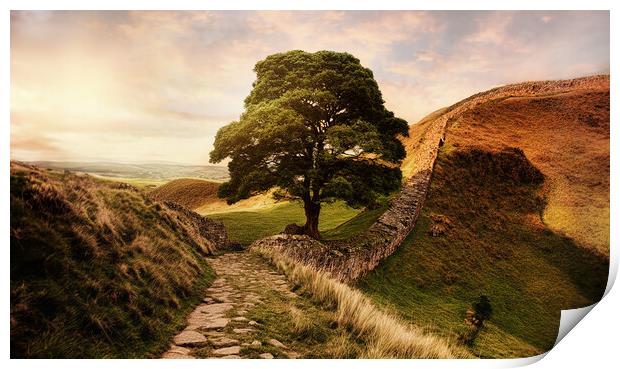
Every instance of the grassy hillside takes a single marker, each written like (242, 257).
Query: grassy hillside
(262, 201)
(249, 226)
(486, 227)
(188, 192)
(97, 269)
(566, 136)
(356, 225)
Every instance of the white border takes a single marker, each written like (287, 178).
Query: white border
(593, 342)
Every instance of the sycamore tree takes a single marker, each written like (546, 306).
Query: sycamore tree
(315, 128)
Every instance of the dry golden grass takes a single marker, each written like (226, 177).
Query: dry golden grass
(301, 323)
(566, 136)
(189, 192)
(341, 347)
(385, 336)
(263, 201)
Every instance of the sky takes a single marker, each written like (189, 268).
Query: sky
(150, 86)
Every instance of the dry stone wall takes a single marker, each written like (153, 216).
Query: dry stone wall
(210, 229)
(364, 252)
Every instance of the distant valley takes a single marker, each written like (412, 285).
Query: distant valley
(147, 171)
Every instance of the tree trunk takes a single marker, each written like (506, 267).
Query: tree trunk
(312, 210)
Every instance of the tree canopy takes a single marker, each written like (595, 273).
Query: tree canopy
(315, 127)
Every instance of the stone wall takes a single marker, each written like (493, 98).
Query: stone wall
(210, 229)
(364, 252)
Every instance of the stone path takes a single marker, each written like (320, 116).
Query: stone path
(218, 327)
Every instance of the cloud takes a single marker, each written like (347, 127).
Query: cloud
(157, 85)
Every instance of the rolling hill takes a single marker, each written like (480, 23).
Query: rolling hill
(566, 136)
(97, 268)
(148, 171)
(518, 211)
(189, 192)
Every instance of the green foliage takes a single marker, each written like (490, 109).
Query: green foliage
(482, 310)
(315, 126)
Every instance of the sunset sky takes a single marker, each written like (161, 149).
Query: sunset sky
(156, 86)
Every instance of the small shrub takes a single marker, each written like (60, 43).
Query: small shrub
(475, 317)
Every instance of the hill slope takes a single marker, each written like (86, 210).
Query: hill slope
(98, 269)
(188, 192)
(482, 230)
(566, 136)
(562, 126)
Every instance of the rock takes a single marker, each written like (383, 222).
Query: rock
(243, 330)
(252, 322)
(223, 342)
(240, 319)
(231, 357)
(174, 355)
(214, 309)
(265, 355)
(208, 300)
(178, 352)
(276, 343)
(216, 323)
(256, 343)
(179, 349)
(232, 350)
(213, 334)
(293, 355)
(223, 298)
(293, 229)
(189, 338)
(198, 319)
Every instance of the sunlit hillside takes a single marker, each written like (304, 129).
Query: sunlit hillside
(518, 211)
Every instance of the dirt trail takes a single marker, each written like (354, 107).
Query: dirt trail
(220, 328)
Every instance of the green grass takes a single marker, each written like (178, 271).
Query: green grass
(496, 245)
(356, 225)
(248, 226)
(98, 271)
